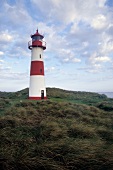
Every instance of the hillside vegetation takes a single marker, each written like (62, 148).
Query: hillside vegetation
(69, 131)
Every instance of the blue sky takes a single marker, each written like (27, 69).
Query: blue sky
(79, 37)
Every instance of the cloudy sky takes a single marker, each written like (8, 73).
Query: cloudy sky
(79, 37)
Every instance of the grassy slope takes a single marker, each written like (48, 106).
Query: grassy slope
(70, 130)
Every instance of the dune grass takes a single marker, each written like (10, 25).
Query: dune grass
(52, 135)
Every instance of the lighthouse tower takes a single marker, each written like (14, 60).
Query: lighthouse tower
(37, 90)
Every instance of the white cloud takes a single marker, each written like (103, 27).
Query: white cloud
(50, 69)
(95, 59)
(4, 67)
(1, 61)
(5, 37)
(67, 55)
(102, 59)
(7, 73)
(99, 22)
(76, 60)
(101, 3)
(73, 60)
(107, 46)
(1, 53)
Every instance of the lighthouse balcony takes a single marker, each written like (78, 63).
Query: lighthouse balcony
(38, 43)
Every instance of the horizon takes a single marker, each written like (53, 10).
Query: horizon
(108, 94)
(79, 37)
(65, 90)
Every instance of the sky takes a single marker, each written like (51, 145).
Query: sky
(79, 40)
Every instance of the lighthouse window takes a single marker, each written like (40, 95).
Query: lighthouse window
(37, 38)
(40, 55)
(34, 39)
(40, 70)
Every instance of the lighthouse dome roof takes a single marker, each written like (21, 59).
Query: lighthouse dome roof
(37, 34)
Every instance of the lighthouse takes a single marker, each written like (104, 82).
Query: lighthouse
(37, 90)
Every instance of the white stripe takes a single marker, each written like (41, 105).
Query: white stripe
(37, 83)
(37, 54)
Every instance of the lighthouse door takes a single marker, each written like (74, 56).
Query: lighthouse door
(42, 94)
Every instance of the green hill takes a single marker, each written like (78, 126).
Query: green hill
(58, 94)
(69, 131)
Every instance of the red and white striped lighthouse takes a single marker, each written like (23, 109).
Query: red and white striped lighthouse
(37, 90)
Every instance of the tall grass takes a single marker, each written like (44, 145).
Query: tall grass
(50, 135)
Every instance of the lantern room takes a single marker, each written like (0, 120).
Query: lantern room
(37, 41)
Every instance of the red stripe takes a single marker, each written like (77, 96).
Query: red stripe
(37, 98)
(37, 43)
(37, 68)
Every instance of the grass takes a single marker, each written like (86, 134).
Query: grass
(56, 134)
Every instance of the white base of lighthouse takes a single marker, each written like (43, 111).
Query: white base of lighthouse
(37, 90)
